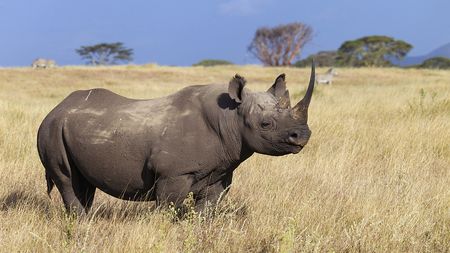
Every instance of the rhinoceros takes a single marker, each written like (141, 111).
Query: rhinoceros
(163, 149)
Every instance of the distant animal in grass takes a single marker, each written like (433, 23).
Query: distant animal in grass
(41, 63)
(326, 78)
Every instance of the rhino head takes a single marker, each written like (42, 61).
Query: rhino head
(268, 124)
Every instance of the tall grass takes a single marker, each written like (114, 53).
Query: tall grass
(375, 176)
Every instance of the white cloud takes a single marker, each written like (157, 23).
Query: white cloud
(242, 7)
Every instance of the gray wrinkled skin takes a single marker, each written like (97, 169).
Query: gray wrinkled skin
(162, 149)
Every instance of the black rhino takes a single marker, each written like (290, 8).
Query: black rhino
(162, 149)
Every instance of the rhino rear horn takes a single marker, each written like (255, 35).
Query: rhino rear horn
(300, 111)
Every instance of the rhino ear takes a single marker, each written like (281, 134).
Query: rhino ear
(236, 88)
(284, 101)
(279, 91)
(279, 86)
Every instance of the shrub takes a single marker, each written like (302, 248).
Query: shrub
(436, 63)
(212, 62)
(322, 59)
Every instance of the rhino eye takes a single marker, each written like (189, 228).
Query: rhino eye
(266, 124)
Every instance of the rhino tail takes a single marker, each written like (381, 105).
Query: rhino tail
(50, 183)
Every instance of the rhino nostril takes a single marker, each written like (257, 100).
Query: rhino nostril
(294, 135)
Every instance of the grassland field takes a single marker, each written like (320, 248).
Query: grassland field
(374, 177)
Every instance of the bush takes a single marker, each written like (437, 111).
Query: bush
(436, 63)
(322, 59)
(212, 62)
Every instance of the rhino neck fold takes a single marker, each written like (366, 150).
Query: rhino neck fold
(226, 125)
(233, 144)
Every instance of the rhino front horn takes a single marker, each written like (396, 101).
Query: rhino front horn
(300, 110)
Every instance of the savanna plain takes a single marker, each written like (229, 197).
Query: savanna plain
(374, 177)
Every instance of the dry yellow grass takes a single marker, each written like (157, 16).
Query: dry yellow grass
(375, 176)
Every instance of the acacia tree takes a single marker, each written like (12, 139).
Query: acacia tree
(281, 45)
(372, 51)
(105, 53)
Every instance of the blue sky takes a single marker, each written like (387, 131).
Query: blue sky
(184, 32)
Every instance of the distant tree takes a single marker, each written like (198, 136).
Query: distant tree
(322, 59)
(105, 53)
(372, 51)
(436, 63)
(212, 62)
(281, 45)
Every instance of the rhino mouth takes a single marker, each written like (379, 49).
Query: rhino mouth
(286, 148)
(296, 148)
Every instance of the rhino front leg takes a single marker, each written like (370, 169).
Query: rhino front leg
(212, 194)
(173, 189)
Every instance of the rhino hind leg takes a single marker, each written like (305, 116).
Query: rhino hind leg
(71, 202)
(84, 191)
(60, 171)
(77, 194)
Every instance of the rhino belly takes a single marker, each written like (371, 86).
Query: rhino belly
(114, 169)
